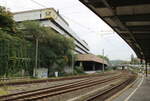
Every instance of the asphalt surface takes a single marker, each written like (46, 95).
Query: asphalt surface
(140, 91)
(143, 92)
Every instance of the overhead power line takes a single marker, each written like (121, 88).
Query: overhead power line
(37, 3)
(85, 27)
(66, 17)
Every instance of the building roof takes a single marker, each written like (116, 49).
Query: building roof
(90, 57)
(35, 10)
(129, 18)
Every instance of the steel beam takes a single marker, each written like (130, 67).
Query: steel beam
(115, 3)
(128, 18)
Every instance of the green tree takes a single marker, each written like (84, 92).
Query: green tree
(13, 49)
(54, 50)
(13, 54)
(34, 30)
(135, 61)
(6, 21)
(104, 57)
(17, 51)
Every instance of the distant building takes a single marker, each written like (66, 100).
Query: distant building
(51, 18)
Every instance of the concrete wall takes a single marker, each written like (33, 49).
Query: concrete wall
(42, 72)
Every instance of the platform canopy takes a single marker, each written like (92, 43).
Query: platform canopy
(129, 18)
(91, 57)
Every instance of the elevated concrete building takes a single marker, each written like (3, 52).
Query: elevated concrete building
(49, 17)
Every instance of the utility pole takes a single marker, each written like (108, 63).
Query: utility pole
(72, 63)
(103, 59)
(132, 59)
(36, 56)
(141, 63)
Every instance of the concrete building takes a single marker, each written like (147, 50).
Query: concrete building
(51, 18)
(91, 62)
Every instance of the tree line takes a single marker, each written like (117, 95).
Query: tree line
(18, 44)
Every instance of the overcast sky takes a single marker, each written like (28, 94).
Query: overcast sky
(84, 22)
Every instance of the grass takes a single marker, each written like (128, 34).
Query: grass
(3, 91)
(6, 89)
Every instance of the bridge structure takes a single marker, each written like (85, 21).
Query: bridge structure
(130, 19)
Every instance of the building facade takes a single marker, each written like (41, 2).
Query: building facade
(51, 18)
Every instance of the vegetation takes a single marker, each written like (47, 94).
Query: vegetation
(118, 62)
(13, 54)
(18, 47)
(135, 61)
(6, 21)
(104, 57)
(78, 70)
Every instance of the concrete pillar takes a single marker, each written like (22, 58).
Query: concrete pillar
(93, 66)
(81, 64)
(146, 68)
(141, 63)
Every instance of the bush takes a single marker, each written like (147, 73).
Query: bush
(78, 70)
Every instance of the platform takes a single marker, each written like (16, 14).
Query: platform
(140, 91)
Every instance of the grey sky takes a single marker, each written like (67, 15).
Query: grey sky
(84, 22)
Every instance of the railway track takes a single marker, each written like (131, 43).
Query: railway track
(56, 90)
(52, 80)
(105, 94)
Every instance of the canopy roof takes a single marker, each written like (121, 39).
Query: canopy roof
(91, 57)
(129, 18)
